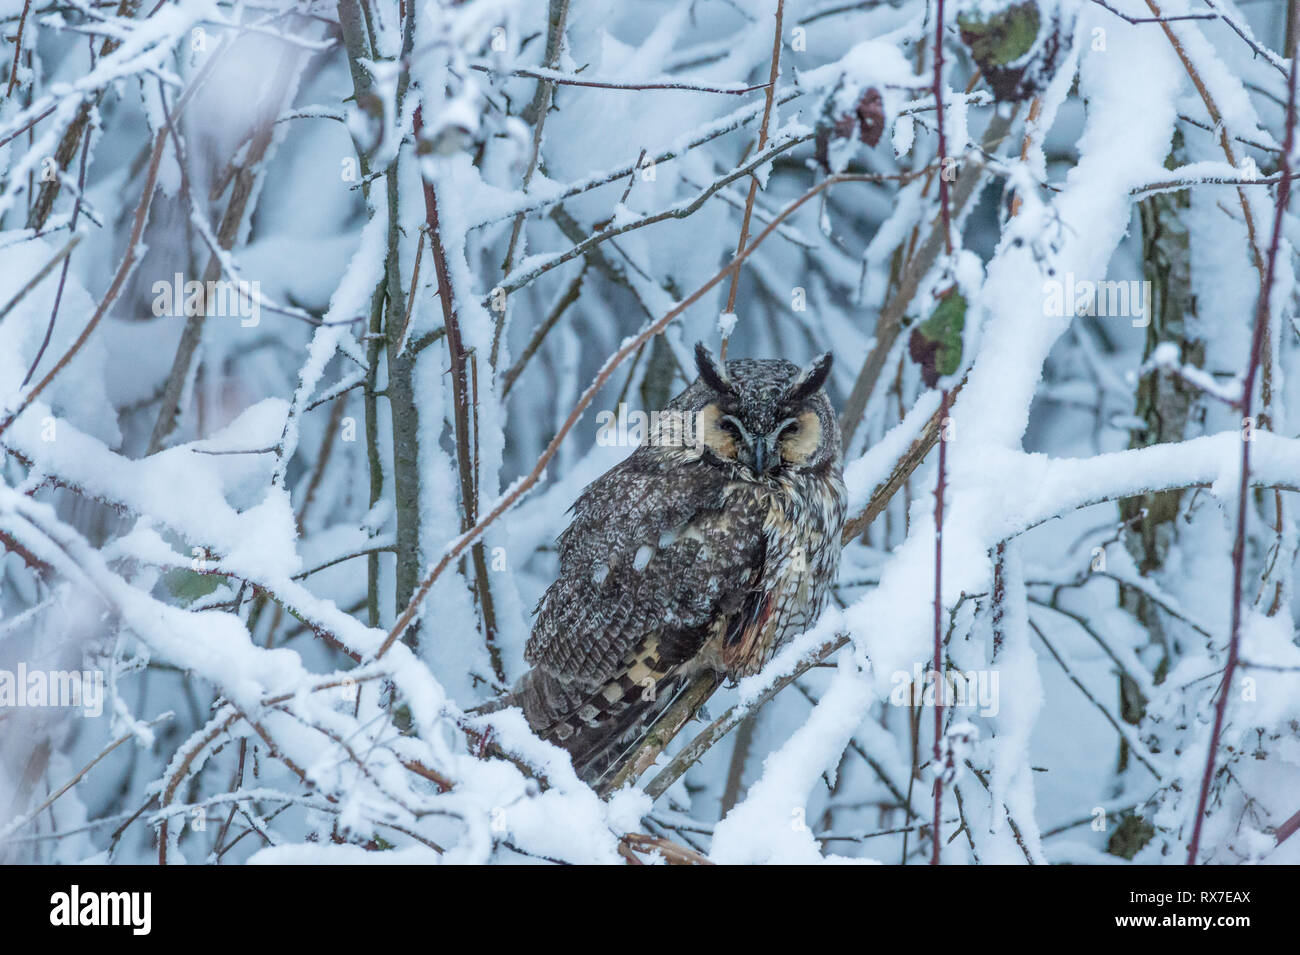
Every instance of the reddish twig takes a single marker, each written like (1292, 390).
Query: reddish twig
(943, 144)
(1262, 313)
(938, 624)
(946, 217)
(178, 775)
(18, 48)
(773, 73)
(672, 852)
(7, 139)
(1225, 138)
(1288, 828)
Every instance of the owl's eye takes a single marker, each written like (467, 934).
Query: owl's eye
(799, 438)
(721, 433)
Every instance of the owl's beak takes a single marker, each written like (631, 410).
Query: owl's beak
(764, 458)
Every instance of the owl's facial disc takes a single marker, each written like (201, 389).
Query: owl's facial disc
(793, 442)
(712, 435)
(724, 435)
(798, 438)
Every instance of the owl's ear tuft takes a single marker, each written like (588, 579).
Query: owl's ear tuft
(714, 375)
(810, 378)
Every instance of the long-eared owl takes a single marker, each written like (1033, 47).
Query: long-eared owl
(712, 543)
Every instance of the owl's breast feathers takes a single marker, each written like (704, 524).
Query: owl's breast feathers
(669, 566)
(801, 529)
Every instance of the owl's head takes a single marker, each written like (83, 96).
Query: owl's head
(766, 416)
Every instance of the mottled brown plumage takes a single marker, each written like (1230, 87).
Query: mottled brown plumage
(708, 553)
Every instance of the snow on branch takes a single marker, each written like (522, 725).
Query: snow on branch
(287, 568)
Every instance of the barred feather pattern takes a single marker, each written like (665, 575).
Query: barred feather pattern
(676, 561)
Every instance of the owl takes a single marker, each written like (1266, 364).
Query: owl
(711, 544)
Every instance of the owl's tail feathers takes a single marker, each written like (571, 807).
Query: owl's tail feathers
(547, 699)
(595, 725)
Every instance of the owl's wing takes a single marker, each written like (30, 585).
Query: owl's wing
(651, 550)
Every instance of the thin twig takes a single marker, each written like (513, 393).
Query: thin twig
(587, 184)
(944, 211)
(1263, 313)
(1225, 138)
(124, 270)
(67, 261)
(19, 823)
(557, 311)
(45, 270)
(1138, 749)
(1156, 19)
(938, 622)
(773, 73)
(664, 730)
(691, 753)
(538, 109)
(461, 410)
(18, 49)
(890, 323)
(672, 853)
(680, 210)
(241, 193)
(568, 79)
